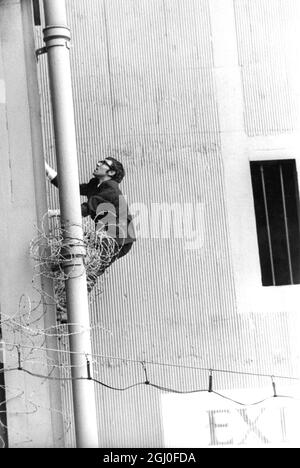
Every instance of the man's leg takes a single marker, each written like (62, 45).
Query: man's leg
(124, 250)
(119, 253)
(105, 262)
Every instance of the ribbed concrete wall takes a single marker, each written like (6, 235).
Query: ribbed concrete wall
(145, 89)
(267, 36)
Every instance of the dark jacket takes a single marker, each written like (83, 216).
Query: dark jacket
(108, 208)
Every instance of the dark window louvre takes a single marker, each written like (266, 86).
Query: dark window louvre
(276, 202)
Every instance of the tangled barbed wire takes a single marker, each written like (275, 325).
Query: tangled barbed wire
(51, 248)
(25, 329)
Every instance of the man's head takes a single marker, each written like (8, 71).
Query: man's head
(109, 168)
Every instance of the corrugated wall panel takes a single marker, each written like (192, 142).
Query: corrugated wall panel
(143, 79)
(266, 41)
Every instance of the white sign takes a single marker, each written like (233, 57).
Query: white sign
(207, 420)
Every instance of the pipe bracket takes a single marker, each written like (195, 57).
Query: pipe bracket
(54, 36)
(73, 251)
(38, 52)
(57, 36)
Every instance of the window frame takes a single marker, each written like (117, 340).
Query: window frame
(286, 198)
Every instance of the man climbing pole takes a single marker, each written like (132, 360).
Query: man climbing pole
(107, 206)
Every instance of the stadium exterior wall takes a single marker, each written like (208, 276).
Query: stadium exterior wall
(185, 94)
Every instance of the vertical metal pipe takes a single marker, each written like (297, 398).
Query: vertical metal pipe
(57, 39)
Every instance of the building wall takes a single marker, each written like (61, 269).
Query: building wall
(264, 125)
(265, 56)
(34, 417)
(185, 94)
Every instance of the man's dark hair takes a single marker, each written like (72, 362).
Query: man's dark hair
(118, 168)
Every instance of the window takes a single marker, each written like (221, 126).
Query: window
(276, 202)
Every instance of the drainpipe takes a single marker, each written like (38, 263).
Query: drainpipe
(57, 39)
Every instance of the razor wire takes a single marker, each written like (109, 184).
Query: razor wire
(52, 247)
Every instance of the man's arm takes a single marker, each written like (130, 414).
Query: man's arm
(52, 176)
(106, 218)
(107, 196)
(105, 207)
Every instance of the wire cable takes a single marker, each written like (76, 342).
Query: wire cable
(146, 383)
(154, 363)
